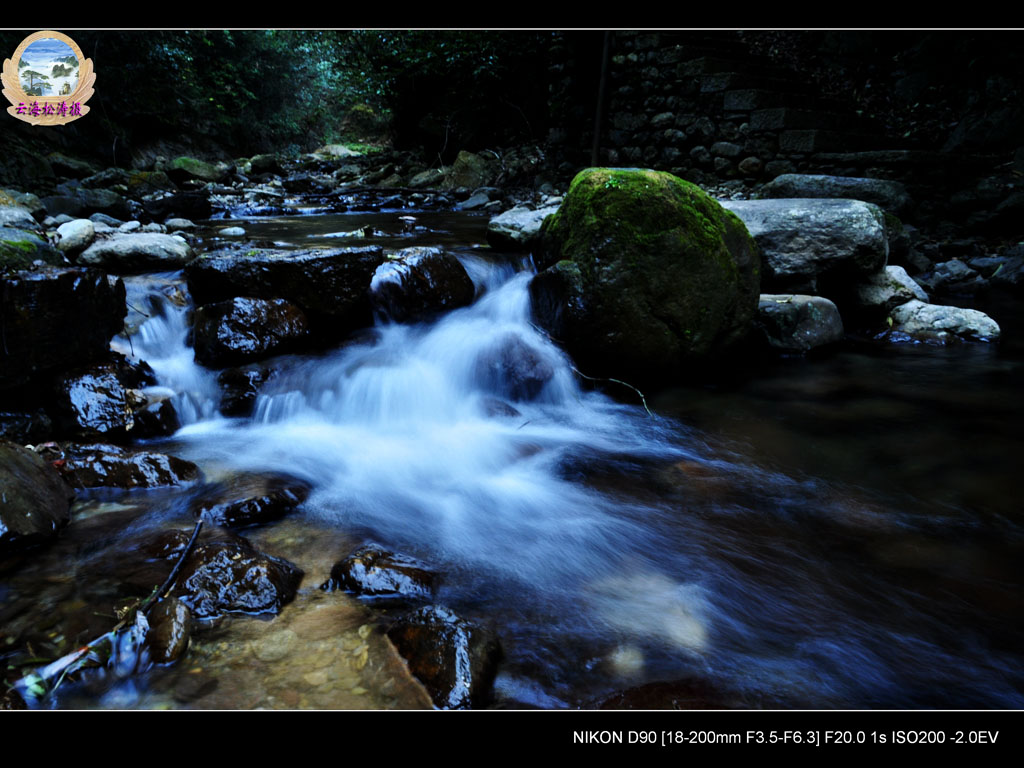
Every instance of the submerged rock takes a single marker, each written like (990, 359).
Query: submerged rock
(242, 330)
(376, 574)
(941, 324)
(646, 273)
(416, 283)
(807, 244)
(55, 318)
(34, 502)
(250, 499)
(797, 324)
(512, 368)
(230, 576)
(455, 660)
(100, 465)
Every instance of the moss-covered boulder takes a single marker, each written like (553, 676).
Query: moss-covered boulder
(183, 169)
(645, 273)
(20, 248)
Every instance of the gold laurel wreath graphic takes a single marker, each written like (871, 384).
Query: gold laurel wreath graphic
(15, 94)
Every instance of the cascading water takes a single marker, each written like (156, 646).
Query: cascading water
(608, 547)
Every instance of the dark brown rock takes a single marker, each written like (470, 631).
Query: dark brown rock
(250, 499)
(34, 502)
(244, 329)
(330, 286)
(170, 623)
(376, 574)
(455, 660)
(55, 318)
(231, 577)
(419, 282)
(240, 387)
(109, 466)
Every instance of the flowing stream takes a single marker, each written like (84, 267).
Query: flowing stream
(743, 537)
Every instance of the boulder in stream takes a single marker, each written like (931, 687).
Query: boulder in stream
(138, 252)
(375, 574)
(455, 659)
(796, 324)
(34, 502)
(242, 330)
(99, 465)
(416, 283)
(250, 499)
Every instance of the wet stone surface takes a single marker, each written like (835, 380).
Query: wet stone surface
(375, 574)
(250, 499)
(109, 466)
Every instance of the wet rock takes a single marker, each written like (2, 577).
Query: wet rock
(797, 324)
(242, 330)
(455, 660)
(55, 318)
(75, 236)
(34, 502)
(17, 217)
(231, 232)
(376, 574)
(108, 466)
(82, 202)
(20, 249)
(157, 418)
(512, 368)
(890, 195)
(94, 403)
(250, 499)
(239, 389)
(941, 324)
(416, 283)
(474, 202)
(806, 243)
(138, 253)
(330, 286)
(496, 408)
(231, 577)
(517, 229)
(879, 294)
(170, 624)
(645, 274)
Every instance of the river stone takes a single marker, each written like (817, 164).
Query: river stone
(25, 425)
(416, 283)
(455, 660)
(231, 232)
(941, 324)
(143, 252)
(34, 501)
(106, 178)
(179, 225)
(129, 227)
(20, 249)
(337, 150)
(375, 574)
(513, 369)
(141, 183)
(170, 624)
(890, 195)
(645, 274)
(330, 286)
(242, 330)
(517, 229)
(93, 403)
(879, 294)
(230, 576)
(265, 164)
(809, 244)
(17, 217)
(250, 499)
(75, 236)
(69, 166)
(797, 324)
(55, 318)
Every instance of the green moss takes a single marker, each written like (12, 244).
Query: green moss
(197, 168)
(18, 254)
